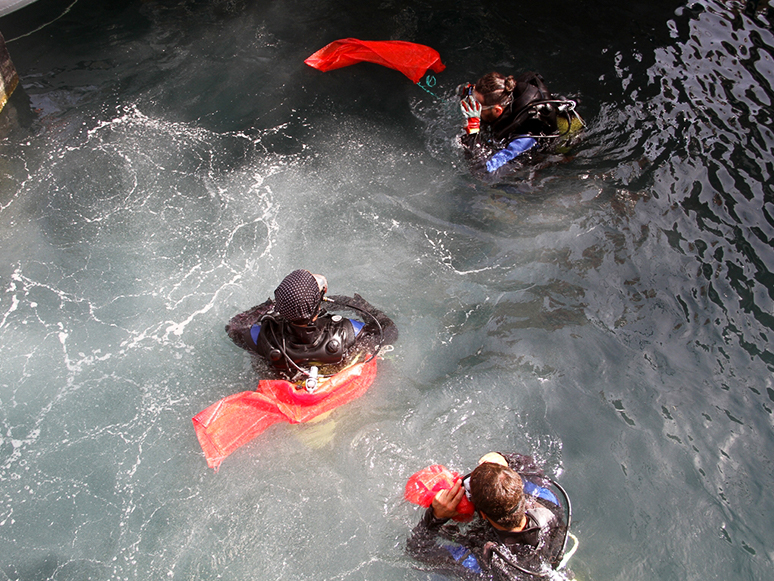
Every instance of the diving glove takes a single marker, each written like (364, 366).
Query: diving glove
(471, 109)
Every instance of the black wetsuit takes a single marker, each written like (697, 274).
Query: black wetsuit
(330, 342)
(523, 117)
(478, 550)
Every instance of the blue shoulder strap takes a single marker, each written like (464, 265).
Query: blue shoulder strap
(534, 490)
(464, 557)
(255, 330)
(357, 326)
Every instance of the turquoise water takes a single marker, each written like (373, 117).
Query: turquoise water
(166, 163)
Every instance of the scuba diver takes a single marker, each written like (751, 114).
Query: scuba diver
(506, 117)
(298, 338)
(521, 532)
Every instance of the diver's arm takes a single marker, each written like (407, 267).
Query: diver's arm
(422, 543)
(473, 144)
(238, 328)
(389, 329)
(443, 508)
(445, 558)
(514, 149)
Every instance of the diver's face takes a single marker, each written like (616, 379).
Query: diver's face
(489, 113)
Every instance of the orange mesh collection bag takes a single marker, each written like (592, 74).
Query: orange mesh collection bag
(422, 487)
(411, 59)
(236, 419)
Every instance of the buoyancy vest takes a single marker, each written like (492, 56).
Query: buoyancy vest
(324, 342)
(511, 550)
(538, 517)
(528, 554)
(516, 554)
(522, 116)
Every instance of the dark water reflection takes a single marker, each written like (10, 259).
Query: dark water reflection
(166, 162)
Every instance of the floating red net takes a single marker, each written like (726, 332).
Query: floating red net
(411, 59)
(236, 419)
(422, 487)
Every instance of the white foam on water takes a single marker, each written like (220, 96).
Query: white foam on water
(604, 313)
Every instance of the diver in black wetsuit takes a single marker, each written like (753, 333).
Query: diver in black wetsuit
(507, 116)
(521, 532)
(294, 333)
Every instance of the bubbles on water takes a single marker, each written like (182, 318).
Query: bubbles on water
(559, 312)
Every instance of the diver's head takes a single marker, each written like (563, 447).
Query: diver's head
(497, 492)
(298, 297)
(495, 93)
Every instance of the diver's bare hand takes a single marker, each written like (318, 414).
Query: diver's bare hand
(446, 501)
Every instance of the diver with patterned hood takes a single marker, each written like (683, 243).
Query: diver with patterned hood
(507, 116)
(294, 333)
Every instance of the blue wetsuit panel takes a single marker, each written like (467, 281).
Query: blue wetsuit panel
(469, 561)
(514, 149)
(357, 326)
(255, 330)
(534, 490)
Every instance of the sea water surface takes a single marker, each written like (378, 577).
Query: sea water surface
(166, 162)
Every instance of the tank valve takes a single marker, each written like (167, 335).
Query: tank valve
(311, 382)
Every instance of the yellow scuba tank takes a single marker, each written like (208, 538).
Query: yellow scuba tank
(569, 126)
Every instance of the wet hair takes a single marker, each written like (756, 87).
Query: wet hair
(496, 89)
(498, 492)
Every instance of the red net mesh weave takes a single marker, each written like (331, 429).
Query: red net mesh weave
(411, 59)
(422, 487)
(236, 419)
